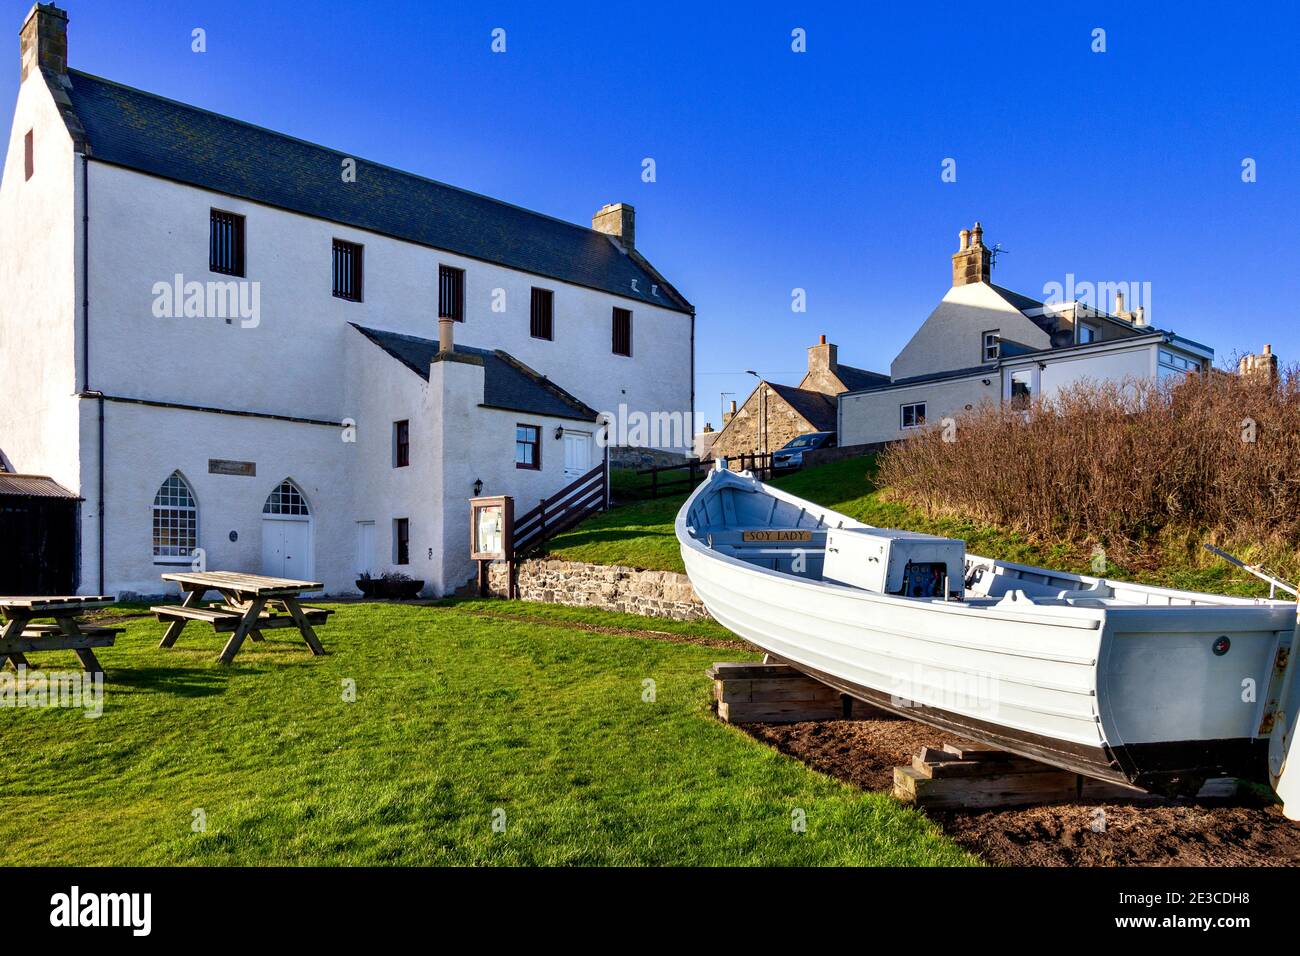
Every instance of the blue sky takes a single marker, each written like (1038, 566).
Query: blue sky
(819, 170)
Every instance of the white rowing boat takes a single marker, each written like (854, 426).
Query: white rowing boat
(1153, 687)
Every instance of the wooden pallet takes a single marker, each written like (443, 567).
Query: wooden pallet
(748, 693)
(973, 776)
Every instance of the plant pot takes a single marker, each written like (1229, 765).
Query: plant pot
(405, 590)
(368, 588)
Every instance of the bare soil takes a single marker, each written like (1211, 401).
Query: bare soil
(1243, 831)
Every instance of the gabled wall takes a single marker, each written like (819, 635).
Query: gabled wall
(951, 338)
(39, 315)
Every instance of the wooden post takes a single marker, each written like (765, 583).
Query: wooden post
(607, 477)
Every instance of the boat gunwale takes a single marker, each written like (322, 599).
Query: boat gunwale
(1082, 618)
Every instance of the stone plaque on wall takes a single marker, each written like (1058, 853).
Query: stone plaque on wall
(221, 466)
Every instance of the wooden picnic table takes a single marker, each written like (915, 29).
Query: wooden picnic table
(19, 636)
(252, 603)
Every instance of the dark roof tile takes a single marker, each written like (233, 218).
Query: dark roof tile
(162, 137)
(507, 383)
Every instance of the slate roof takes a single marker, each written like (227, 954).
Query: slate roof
(151, 134)
(507, 383)
(858, 378)
(817, 408)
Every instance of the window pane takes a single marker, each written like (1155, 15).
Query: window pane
(175, 519)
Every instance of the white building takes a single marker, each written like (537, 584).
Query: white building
(984, 343)
(290, 411)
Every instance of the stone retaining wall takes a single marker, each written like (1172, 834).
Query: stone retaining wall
(608, 587)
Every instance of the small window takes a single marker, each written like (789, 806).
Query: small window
(528, 447)
(226, 243)
(401, 444)
(622, 332)
(175, 519)
(451, 293)
(992, 345)
(913, 416)
(347, 270)
(541, 325)
(1087, 334)
(401, 541)
(29, 154)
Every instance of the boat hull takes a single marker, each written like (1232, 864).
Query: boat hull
(1099, 691)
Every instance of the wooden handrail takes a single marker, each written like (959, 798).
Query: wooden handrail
(581, 498)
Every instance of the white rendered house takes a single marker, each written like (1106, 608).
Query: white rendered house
(227, 339)
(987, 344)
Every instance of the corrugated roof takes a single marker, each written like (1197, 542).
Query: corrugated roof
(507, 382)
(152, 134)
(33, 486)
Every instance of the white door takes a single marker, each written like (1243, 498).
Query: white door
(365, 546)
(286, 548)
(577, 454)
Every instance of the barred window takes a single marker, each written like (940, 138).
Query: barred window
(451, 293)
(175, 519)
(347, 270)
(226, 243)
(622, 332)
(541, 322)
(286, 500)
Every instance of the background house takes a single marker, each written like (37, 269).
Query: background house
(984, 343)
(773, 414)
(326, 431)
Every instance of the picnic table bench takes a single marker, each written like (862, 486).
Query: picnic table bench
(251, 604)
(20, 637)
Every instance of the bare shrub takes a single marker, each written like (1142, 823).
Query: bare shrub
(1117, 463)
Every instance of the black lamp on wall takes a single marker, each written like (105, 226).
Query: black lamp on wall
(478, 487)
(559, 432)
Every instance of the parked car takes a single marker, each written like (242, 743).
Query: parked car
(790, 455)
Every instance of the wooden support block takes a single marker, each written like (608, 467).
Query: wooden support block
(748, 670)
(763, 689)
(976, 776)
(993, 790)
(779, 712)
(779, 694)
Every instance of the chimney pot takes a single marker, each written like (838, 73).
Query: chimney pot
(1119, 303)
(823, 341)
(972, 262)
(446, 334)
(43, 40)
(618, 220)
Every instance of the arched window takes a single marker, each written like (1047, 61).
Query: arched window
(175, 519)
(286, 500)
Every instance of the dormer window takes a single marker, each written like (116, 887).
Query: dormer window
(1087, 334)
(992, 345)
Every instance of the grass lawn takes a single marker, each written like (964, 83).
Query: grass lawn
(641, 535)
(461, 710)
